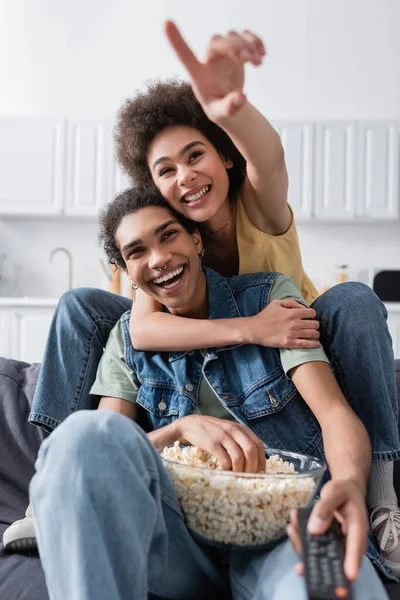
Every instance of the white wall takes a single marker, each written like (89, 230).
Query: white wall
(80, 58)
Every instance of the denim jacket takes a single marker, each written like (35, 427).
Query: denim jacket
(248, 380)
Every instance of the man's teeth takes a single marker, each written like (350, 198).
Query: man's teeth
(177, 271)
(197, 196)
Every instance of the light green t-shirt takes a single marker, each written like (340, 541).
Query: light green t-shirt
(114, 378)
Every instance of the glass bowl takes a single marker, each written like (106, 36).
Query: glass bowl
(244, 509)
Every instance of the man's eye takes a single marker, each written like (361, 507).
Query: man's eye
(169, 234)
(135, 252)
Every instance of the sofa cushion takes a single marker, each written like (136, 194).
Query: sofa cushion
(19, 440)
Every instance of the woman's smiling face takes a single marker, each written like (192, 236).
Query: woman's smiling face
(162, 258)
(189, 172)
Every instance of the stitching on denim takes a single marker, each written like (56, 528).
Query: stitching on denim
(389, 455)
(44, 416)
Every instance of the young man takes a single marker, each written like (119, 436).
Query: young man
(108, 520)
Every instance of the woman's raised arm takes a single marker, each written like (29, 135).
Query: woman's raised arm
(218, 85)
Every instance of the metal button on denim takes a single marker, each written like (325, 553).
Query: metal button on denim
(162, 405)
(189, 387)
(191, 352)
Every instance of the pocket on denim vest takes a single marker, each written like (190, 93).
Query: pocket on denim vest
(267, 395)
(161, 402)
(278, 414)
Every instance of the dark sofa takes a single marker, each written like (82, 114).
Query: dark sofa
(21, 575)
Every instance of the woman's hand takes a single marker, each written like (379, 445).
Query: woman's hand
(284, 324)
(218, 81)
(234, 445)
(345, 501)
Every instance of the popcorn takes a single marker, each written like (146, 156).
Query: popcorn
(231, 508)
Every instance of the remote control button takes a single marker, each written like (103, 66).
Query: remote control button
(341, 592)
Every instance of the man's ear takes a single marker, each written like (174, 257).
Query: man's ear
(198, 242)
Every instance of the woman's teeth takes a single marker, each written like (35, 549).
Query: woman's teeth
(194, 197)
(161, 281)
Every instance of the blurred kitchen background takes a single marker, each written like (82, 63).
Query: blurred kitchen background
(330, 85)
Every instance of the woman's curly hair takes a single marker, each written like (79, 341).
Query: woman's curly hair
(130, 201)
(164, 104)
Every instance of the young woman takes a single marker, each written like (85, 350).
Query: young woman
(217, 160)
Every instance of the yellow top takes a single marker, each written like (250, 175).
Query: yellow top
(259, 251)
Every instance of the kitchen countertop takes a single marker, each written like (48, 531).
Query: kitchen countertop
(392, 306)
(28, 301)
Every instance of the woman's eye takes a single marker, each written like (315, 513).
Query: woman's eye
(195, 155)
(164, 171)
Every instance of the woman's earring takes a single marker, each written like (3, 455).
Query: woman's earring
(201, 254)
(134, 286)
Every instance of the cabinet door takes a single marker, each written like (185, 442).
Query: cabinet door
(297, 141)
(29, 330)
(88, 170)
(31, 166)
(335, 179)
(378, 177)
(5, 334)
(394, 328)
(119, 181)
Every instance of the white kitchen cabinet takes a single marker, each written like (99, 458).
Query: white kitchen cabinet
(31, 166)
(394, 326)
(88, 167)
(119, 181)
(298, 141)
(339, 171)
(24, 326)
(335, 170)
(5, 339)
(378, 170)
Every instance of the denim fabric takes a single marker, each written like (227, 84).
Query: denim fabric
(353, 332)
(78, 334)
(125, 536)
(248, 380)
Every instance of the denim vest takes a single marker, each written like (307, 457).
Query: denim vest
(248, 380)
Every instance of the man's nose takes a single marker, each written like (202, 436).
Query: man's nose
(159, 259)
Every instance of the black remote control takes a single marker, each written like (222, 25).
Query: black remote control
(323, 557)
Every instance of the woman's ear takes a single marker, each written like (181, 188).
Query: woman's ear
(228, 163)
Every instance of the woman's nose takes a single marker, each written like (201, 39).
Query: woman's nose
(186, 175)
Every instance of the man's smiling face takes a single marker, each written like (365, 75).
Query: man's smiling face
(162, 258)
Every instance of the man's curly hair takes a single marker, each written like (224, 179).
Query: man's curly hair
(130, 201)
(164, 104)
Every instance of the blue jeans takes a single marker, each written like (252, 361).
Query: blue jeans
(124, 536)
(354, 334)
